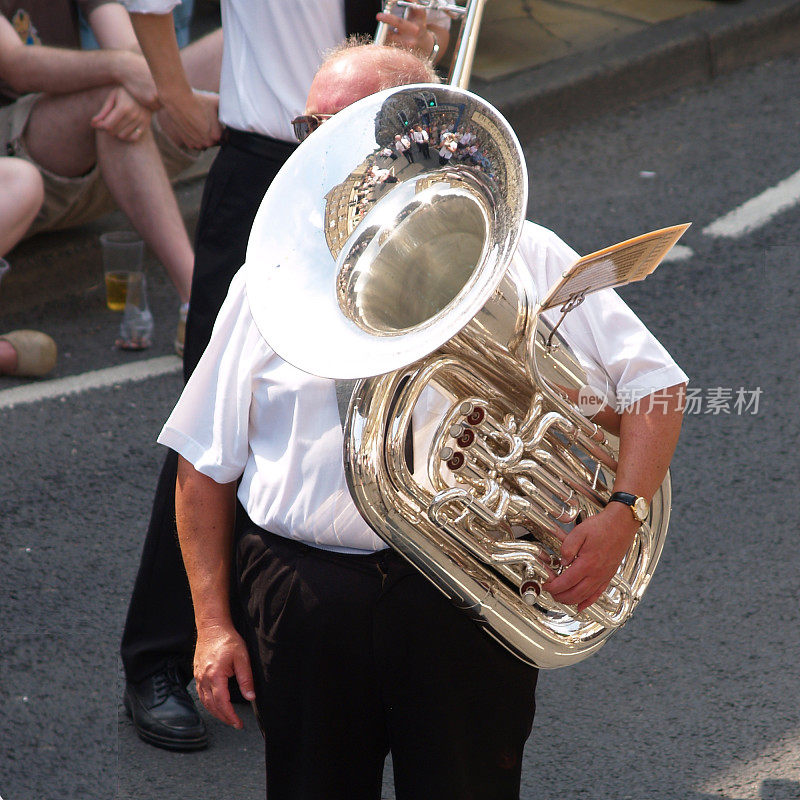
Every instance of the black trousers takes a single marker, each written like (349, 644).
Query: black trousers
(160, 621)
(355, 656)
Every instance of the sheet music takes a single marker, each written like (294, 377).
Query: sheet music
(617, 265)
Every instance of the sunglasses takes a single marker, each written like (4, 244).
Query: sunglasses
(307, 123)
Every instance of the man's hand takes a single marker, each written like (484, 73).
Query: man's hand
(413, 33)
(410, 30)
(122, 116)
(134, 74)
(221, 654)
(193, 121)
(591, 554)
(592, 551)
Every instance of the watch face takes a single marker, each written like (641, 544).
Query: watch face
(640, 509)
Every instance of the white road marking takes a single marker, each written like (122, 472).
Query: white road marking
(99, 379)
(679, 252)
(758, 211)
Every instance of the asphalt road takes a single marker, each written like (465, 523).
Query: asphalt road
(697, 698)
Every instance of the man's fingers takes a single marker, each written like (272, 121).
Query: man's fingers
(389, 19)
(215, 697)
(244, 676)
(592, 599)
(204, 695)
(572, 545)
(121, 123)
(126, 129)
(567, 580)
(114, 121)
(108, 104)
(191, 138)
(418, 16)
(222, 702)
(216, 132)
(574, 594)
(405, 27)
(131, 130)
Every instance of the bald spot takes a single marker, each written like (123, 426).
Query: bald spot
(361, 71)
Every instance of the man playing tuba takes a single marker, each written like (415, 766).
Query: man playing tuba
(348, 652)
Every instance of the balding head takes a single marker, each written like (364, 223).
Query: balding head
(353, 72)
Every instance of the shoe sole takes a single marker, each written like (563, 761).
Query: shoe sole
(166, 743)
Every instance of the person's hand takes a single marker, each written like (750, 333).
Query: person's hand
(193, 121)
(410, 31)
(134, 75)
(122, 116)
(591, 554)
(221, 654)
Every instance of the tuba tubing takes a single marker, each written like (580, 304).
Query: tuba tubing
(461, 535)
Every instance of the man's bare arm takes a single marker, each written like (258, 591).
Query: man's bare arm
(195, 119)
(593, 550)
(205, 515)
(54, 70)
(111, 26)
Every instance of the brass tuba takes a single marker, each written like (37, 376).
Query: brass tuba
(404, 278)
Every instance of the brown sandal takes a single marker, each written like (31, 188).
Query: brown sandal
(36, 352)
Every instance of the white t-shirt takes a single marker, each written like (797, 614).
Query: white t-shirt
(271, 52)
(247, 413)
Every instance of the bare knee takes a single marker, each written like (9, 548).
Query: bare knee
(59, 135)
(22, 182)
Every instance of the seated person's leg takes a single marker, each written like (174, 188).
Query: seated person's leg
(60, 140)
(20, 200)
(23, 353)
(202, 61)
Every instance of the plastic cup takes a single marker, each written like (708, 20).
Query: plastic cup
(136, 328)
(123, 255)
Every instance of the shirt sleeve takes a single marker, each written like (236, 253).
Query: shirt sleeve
(150, 6)
(607, 337)
(209, 425)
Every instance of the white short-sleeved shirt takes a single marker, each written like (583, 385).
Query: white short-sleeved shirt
(247, 413)
(272, 50)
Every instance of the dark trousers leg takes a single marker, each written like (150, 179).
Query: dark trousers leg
(309, 627)
(160, 621)
(353, 655)
(459, 706)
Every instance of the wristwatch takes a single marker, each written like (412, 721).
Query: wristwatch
(638, 505)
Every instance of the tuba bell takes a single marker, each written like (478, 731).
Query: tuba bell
(404, 281)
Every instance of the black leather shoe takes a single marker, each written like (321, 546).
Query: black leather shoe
(163, 713)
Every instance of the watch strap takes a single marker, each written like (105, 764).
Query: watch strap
(623, 497)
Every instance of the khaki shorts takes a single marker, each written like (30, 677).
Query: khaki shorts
(74, 201)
